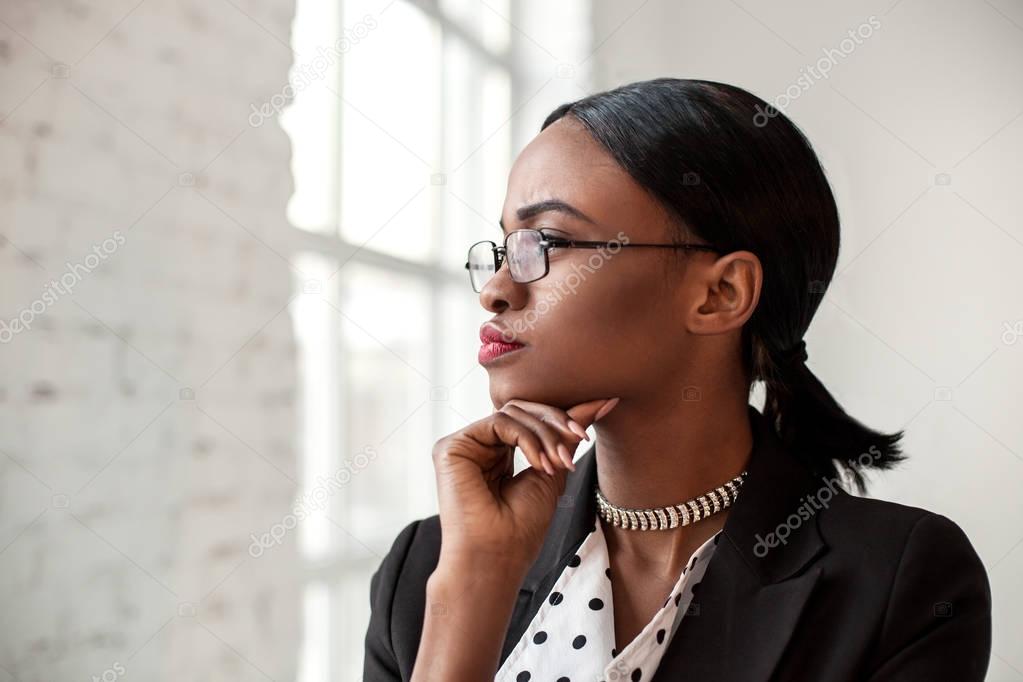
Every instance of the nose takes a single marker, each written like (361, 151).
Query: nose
(502, 292)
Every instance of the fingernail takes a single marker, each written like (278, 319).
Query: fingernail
(566, 456)
(578, 429)
(546, 465)
(608, 406)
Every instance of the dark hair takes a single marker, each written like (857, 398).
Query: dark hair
(735, 172)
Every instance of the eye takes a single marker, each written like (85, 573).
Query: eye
(551, 236)
(553, 232)
(554, 249)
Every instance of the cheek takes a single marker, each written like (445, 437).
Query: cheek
(607, 311)
(595, 334)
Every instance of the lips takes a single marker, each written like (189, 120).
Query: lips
(496, 343)
(490, 333)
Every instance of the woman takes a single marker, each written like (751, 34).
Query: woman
(668, 243)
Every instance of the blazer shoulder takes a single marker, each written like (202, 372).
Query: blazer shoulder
(871, 507)
(937, 624)
(900, 541)
(423, 551)
(413, 554)
(883, 525)
(925, 579)
(396, 596)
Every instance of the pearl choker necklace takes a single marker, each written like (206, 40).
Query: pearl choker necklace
(691, 511)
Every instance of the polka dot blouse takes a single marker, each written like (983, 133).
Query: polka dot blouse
(572, 635)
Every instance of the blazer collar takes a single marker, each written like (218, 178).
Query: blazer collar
(768, 501)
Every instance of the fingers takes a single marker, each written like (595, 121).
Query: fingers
(569, 426)
(553, 432)
(576, 420)
(513, 432)
(547, 435)
(592, 410)
(490, 443)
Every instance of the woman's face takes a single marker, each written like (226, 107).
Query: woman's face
(602, 323)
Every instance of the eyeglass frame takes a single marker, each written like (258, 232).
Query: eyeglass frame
(548, 242)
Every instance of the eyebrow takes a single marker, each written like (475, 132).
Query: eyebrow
(532, 210)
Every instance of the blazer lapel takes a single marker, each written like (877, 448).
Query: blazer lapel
(733, 633)
(752, 595)
(749, 602)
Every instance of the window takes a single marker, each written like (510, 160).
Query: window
(401, 140)
(402, 124)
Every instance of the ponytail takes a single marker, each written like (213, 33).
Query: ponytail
(815, 428)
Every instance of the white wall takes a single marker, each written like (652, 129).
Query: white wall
(920, 128)
(145, 417)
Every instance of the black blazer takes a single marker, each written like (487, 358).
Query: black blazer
(860, 589)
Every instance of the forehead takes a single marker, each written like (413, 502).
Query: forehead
(564, 162)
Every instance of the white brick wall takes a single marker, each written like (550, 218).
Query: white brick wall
(126, 508)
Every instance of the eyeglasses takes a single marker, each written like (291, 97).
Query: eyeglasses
(527, 251)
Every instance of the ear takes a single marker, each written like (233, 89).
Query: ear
(727, 293)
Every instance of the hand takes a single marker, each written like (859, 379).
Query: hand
(486, 513)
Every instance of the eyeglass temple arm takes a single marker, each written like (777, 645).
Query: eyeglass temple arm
(595, 244)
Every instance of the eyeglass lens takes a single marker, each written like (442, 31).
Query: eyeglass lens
(524, 253)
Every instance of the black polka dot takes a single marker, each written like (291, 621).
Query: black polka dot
(660, 636)
(596, 604)
(574, 561)
(540, 637)
(556, 598)
(693, 588)
(636, 674)
(579, 642)
(523, 676)
(614, 652)
(716, 538)
(564, 679)
(607, 572)
(666, 601)
(678, 598)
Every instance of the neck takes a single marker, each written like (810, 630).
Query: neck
(649, 458)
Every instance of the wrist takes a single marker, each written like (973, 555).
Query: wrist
(481, 567)
(454, 593)
(478, 575)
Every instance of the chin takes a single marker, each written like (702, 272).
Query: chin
(546, 390)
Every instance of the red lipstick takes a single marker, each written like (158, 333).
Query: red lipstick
(496, 343)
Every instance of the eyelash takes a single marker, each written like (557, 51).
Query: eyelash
(551, 232)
